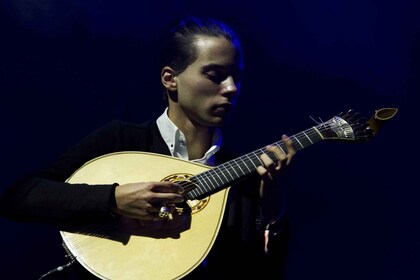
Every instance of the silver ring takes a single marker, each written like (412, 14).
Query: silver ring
(164, 212)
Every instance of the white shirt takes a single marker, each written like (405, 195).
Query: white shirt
(177, 143)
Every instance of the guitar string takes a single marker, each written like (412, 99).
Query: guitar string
(230, 168)
(244, 162)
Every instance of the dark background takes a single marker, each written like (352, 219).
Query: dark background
(67, 67)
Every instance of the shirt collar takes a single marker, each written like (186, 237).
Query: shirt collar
(177, 144)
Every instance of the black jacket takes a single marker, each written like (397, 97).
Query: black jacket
(45, 197)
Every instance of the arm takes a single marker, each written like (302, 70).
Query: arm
(271, 178)
(44, 196)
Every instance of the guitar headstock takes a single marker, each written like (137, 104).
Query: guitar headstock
(351, 125)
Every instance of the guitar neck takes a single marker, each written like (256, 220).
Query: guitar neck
(231, 171)
(349, 126)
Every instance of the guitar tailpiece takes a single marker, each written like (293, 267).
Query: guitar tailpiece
(68, 253)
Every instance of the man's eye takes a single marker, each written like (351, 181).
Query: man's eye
(215, 78)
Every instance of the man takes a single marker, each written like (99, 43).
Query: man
(201, 72)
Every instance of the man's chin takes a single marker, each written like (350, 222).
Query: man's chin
(219, 121)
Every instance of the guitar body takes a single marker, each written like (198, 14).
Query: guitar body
(130, 249)
(170, 249)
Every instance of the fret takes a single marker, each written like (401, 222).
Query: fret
(249, 158)
(246, 165)
(230, 171)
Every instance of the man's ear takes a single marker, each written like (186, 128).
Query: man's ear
(168, 78)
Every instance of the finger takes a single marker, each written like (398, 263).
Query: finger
(165, 212)
(264, 173)
(153, 209)
(155, 213)
(279, 154)
(290, 148)
(267, 162)
(143, 214)
(268, 168)
(172, 198)
(167, 187)
(158, 199)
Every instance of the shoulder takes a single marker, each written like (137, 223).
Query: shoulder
(117, 135)
(120, 128)
(120, 124)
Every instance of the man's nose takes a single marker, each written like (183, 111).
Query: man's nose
(229, 85)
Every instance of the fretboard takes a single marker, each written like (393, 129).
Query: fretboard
(225, 174)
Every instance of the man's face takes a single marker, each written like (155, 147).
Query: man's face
(207, 89)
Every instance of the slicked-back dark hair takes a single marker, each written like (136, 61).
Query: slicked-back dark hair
(180, 51)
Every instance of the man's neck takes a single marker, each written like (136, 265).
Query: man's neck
(198, 137)
(198, 141)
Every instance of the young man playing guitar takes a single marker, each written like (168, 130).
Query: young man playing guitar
(161, 223)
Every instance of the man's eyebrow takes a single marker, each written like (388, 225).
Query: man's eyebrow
(213, 66)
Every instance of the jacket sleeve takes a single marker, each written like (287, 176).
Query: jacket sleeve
(45, 196)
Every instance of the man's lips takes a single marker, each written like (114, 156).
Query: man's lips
(223, 108)
(226, 106)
